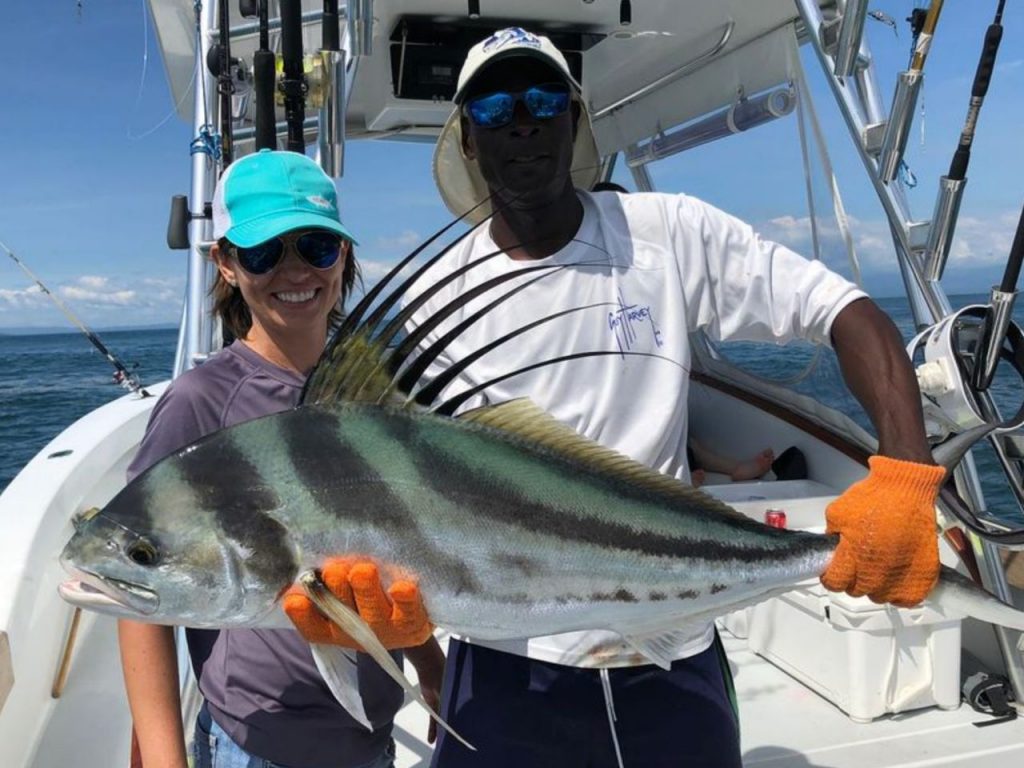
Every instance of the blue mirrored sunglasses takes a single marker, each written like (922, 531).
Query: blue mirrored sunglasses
(494, 110)
(321, 250)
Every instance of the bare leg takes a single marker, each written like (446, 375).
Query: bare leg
(755, 466)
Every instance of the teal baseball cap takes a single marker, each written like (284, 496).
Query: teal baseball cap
(266, 194)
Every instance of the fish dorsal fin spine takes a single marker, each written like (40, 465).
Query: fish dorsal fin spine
(526, 421)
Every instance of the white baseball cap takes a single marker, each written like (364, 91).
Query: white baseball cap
(458, 178)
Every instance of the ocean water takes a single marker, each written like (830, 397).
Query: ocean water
(49, 381)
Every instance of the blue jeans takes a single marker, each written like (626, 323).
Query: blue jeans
(213, 748)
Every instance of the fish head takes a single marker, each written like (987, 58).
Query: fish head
(163, 555)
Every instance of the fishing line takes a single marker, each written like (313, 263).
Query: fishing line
(145, 55)
(177, 105)
(123, 375)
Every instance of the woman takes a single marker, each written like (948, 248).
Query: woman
(285, 266)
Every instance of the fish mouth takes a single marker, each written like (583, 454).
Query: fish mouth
(108, 595)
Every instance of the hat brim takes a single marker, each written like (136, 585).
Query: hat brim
(462, 186)
(272, 225)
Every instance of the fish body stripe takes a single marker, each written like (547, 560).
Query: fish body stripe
(354, 501)
(229, 485)
(457, 466)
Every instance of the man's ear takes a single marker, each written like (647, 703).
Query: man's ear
(468, 145)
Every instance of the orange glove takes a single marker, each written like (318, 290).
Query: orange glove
(888, 548)
(398, 618)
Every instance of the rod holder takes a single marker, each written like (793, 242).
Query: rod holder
(894, 141)
(998, 315)
(360, 21)
(331, 136)
(940, 233)
(851, 30)
(740, 116)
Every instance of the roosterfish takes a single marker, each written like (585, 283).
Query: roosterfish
(511, 523)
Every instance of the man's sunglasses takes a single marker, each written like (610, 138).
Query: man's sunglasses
(494, 110)
(321, 250)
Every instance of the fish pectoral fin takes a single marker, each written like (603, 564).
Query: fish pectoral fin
(658, 646)
(338, 668)
(358, 630)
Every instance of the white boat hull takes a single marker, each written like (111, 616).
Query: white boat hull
(88, 725)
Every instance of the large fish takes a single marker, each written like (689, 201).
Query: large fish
(511, 523)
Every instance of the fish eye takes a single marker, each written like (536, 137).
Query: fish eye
(142, 552)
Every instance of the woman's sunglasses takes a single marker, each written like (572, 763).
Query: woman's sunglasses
(321, 250)
(494, 110)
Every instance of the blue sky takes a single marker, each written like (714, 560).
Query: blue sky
(89, 158)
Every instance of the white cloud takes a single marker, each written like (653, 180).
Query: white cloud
(983, 241)
(24, 298)
(373, 270)
(407, 239)
(98, 300)
(81, 293)
(978, 241)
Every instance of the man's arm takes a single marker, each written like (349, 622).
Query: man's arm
(878, 372)
(888, 548)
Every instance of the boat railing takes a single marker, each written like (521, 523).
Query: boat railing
(880, 138)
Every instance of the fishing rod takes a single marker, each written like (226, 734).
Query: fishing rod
(982, 78)
(122, 375)
(951, 186)
(924, 37)
(293, 83)
(998, 314)
(264, 71)
(225, 84)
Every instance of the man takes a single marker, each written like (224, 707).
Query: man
(519, 146)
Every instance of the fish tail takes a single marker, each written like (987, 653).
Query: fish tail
(958, 594)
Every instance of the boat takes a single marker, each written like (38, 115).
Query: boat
(822, 680)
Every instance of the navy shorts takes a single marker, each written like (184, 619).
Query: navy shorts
(519, 712)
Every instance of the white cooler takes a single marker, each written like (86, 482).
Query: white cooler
(867, 659)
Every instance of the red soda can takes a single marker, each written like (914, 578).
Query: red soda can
(776, 518)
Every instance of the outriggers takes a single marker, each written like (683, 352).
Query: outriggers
(661, 78)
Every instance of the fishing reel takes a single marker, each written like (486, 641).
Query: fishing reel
(952, 373)
(948, 374)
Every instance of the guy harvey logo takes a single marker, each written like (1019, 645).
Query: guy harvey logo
(632, 323)
(513, 36)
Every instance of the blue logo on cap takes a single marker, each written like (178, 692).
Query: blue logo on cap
(511, 36)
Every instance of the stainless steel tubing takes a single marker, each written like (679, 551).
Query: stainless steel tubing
(851, 30)
(196, 337)
(894, 142)
(353, 14)
(1000, 312)
(733, 119)
(331, 136)
(940, 233)
(366, 24)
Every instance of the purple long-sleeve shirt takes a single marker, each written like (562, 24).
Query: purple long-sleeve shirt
(262, 686)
